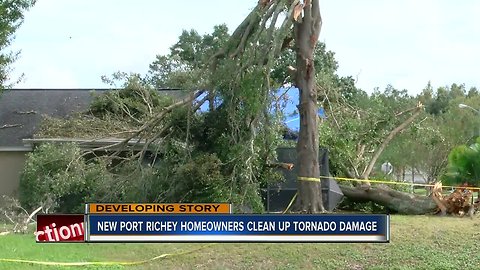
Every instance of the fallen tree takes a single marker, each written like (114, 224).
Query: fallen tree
(401, 202)
(457, 203)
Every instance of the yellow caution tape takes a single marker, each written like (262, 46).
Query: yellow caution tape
(311, 179)
(291, 202)
(315, 179)
(394, 182)
(104, 263)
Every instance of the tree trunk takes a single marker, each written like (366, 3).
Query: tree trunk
(400, 202)
(309, 198)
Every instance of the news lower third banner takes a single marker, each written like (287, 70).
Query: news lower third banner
(167, 223)
(238, 228)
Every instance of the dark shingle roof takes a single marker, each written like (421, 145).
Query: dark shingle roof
(21, 110)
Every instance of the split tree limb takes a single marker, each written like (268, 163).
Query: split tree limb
(387, 140)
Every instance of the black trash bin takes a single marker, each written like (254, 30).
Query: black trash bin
(278, 196)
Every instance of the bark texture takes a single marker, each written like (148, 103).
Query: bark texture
(307, 30)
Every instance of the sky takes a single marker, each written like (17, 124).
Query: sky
(405, 43)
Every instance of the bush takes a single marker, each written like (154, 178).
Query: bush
(58, 178)
(463, 165)
(55, 177)
(129, 182)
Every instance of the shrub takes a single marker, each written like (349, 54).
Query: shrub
(54, 176)
(57, 177)
(463, 165)
(128, 182)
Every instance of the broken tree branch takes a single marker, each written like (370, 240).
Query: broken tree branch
(287, 166)
(10, 126)
(136, 135)
(387, 140)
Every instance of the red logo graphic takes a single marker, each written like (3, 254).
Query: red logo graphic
(60, 228)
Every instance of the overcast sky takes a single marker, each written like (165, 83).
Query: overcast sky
(406, 43)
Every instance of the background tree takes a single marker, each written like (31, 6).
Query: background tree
(187, 64)
(425, 146)
(368, 123)
(11, 17)
(422, 148)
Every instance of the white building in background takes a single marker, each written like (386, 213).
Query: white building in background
(412, 176)
(408, 175)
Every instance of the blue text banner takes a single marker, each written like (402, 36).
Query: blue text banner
(238, 228)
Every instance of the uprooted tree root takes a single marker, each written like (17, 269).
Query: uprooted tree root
(458, 203)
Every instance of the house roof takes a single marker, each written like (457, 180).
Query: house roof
(21, 110)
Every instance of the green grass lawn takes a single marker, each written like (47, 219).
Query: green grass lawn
(417, 242)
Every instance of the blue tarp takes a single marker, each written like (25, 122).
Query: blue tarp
(288, 105)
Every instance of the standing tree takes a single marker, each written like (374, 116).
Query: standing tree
(11, 17)
(240, 74)
(251, 52)
(306, 33)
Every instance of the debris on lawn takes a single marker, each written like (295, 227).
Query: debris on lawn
(17, 216)
(458, 203)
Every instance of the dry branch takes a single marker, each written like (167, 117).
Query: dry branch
(10, 126)
(459, 202)
(136, 136)
(26, 112)
(16, 214)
